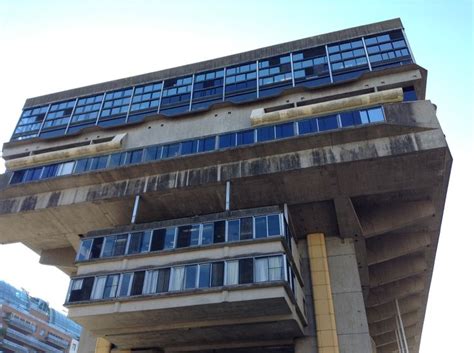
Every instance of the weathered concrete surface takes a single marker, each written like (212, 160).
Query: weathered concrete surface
(351, 318)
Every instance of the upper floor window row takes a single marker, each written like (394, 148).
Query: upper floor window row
(201, 145)
(232, 272)
(184, 236)
(244, 82)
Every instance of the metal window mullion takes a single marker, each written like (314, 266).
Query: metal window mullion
(44, 120)
(161, 96)
(292, 70)
(100, 109)
(258, 80)
(192, 91)
(329, 64)
(130, 104)
(408, 46)
(223, 84)
(72, 115)
(366, 54)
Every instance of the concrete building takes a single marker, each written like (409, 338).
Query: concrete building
(285, 199)
(28, 324)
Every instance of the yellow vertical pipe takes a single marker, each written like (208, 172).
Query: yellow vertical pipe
(326, 331)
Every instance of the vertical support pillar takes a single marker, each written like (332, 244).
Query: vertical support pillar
(102, 346)
(326, 331)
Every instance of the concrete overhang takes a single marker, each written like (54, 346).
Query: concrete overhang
(257, 312)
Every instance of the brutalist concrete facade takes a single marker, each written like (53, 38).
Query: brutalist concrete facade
(286, 199)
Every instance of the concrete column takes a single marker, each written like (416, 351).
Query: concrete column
(351, 318)
(323, 302)
(102, 346)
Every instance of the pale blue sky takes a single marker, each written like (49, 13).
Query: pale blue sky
(48, 46)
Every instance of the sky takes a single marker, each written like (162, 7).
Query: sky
(48, 46)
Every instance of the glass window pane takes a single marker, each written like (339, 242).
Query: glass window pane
(245, 271)
(266, 133)
(233, 230)
(190, 277)
(307, 126)
(169, 238)
(328, 123)
(275, 268)
(111, 286)
(108, 246)
(375, 115)
(163, 280)
(274, 225)
(99, 285)
(227, 140)
(245, 137)
(204, 275)
(217, 276)
(158, 239)
(96, 247)
(135, 243)
(125, 285)
(260, 227)
(177, 278)
(207, 233)
(232, 276)
(246, 228)
(83, 253)
(219, 232)
(137, 283)
(285, 130)
(120, 245)
(184, 237)
(261, 269)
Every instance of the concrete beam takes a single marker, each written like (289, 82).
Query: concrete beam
(396, 290)
(396, 269)
(58, 257)
(390, 246)
(386, 311)
(393, 216)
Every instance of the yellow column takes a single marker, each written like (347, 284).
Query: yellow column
(102, 345)
(322, 296)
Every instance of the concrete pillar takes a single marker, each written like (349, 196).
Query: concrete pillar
(351, 318)
(326, 333)
(102, 346)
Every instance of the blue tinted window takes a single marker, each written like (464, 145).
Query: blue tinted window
(245, 137)
(49, 171)
(135, 156)
(18, 177)
(266, 133)
(227, 140)
(170, 151)
(189, 147)
(285, 130)
(117, 159)
(98, 162)
(153, 153)
(207, 144)
(307, 126)
(82, 165)
(375, 115)
(350, 118)
(409, 94)
(328, 123)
